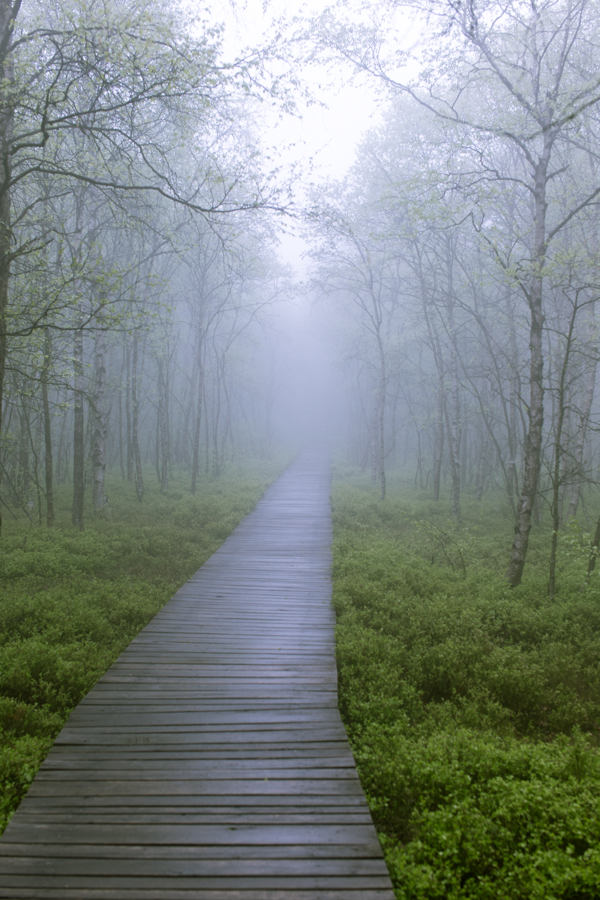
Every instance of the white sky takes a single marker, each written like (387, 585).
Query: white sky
(326, 135)
(322, 141)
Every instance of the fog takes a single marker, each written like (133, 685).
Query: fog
(375, 228)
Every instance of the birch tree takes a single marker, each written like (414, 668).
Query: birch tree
(498, 76)
(106, 94)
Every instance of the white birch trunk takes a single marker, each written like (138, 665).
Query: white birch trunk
(99, 429)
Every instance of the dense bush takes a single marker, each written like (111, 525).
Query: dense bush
(473, 710)
(71, 601)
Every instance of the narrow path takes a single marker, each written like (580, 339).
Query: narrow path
(210, 761)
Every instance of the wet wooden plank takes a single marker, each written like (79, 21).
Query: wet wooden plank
(210, 761)
(313, 852)
(208, 882)
(175, 771)
(58, 763)
(110, 893)
(230, 816)
(205, 835)
(206, 867)
(197, 804)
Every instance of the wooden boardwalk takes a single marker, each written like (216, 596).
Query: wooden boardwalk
(210, 761)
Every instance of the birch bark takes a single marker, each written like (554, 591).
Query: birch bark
(48, 466)
(8, 13)
(135, 444)
(78, 432)
(99, 427)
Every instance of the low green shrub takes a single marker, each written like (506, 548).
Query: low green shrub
(473, 710)
(466, 813)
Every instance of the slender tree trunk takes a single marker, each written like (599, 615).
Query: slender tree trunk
(567, 452)
(157, 441)
(453, 407)
(419, 469)
(162, 436)
(78, 432)
(556, 468)
(34, 447)
(453, 429)
(373, 448)
(139, 479)
(366, 450)
(438, 447)
(594, 550)
(449, 419)
(6, 133)
(381, 418)
(512, 484)
(206, 428)
(481, 465)
(198, 416)
(128, 415)
(187, 419)
(464, 456)
(533, 443)
(217, 420)
(586, 408)
(47, 430)
(23, 472)
(227, 426)
(167, 437)
(121, 454)
(62, 460)
(4, 276)
(120, 414)
(99, 427)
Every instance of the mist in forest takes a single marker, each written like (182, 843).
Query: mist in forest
(373, 228)
(308, 394)
(231, 234)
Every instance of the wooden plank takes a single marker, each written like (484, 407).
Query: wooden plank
(84, 717)
(206, 867)
(233, 816)
(313, 852)
(205, 835)
(289, 751)
(244, 883)
(176, 771)
(210, 761)
(262, 731)
(129, 787)
(190, 805)
(69, 763)
(15, 893)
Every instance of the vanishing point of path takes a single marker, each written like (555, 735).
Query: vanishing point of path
(210, 761)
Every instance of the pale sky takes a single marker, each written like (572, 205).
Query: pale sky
(326, 135)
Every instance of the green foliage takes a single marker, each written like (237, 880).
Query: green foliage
(466, 813)
(473, 710)
(72, 601)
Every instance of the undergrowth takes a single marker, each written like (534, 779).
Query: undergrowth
(72, 601)
(473, 710)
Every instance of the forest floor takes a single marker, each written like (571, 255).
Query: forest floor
(473, 710)
(72, 601)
